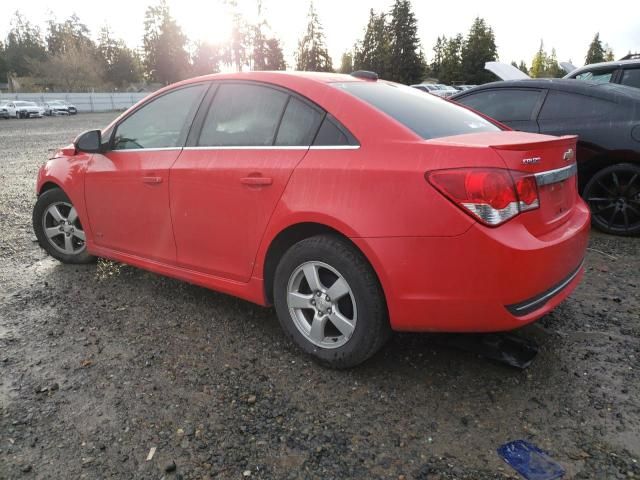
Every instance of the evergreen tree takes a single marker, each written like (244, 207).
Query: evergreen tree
(608, 54)
(438, 54)
(539, 62)
(523, 67)
(596, 52)
(479, 47)
(544, 65)
(23, 46)
(346, 63)
(374, 51)
(406, 63)
(451, 61)
(266, 51)
(166, 59)
(274, 59)
(312, 54)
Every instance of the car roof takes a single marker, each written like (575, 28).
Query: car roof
(608, 91)
(596, 66)
(320, 77)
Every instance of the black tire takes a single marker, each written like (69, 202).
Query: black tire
(372, 328)
(613, 195)
(41, 217)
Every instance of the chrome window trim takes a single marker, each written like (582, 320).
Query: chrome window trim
(159, 149)
(275, 147)
(555, 176)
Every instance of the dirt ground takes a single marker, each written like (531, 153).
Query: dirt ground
(101, 364)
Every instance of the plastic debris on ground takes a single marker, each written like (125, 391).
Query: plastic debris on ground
(530, 461)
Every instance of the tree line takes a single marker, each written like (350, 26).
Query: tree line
(66, 57)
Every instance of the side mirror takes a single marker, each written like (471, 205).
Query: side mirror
(89, 142)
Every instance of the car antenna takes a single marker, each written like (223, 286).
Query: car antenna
(365, 75)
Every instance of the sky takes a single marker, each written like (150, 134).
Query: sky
(568, 26)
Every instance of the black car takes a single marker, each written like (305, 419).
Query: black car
(624, 72)
(4, 113)
(605, 116)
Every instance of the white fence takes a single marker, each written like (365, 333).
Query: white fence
(84, 102)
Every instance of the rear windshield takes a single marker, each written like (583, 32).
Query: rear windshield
(425, 114)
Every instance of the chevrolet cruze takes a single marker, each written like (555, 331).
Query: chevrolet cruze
(354, 205)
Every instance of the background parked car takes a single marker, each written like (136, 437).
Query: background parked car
(625, 72)
(426, 87)
(59, 107)
(4, 112)
(436, 88)
(607, 119)
(22, 109)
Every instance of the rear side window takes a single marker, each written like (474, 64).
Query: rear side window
(562, 105)
(333, 133)
(504, 104)
(598, 76)
(161, 123)
(428, 116)
(299, 124)
(631, 77)
(243, 115)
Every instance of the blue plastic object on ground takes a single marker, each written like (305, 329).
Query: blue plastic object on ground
(529, 461)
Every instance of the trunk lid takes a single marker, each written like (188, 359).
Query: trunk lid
(552, 161)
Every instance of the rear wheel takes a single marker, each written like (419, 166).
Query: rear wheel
(613, 194)
(58, 228)
(329, 301)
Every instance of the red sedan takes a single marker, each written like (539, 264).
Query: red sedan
(356, 206)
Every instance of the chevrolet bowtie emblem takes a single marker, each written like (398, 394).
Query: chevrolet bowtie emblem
(568, 155)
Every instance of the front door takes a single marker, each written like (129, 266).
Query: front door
(127, 187)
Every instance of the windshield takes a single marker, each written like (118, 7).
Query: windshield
(427, 115)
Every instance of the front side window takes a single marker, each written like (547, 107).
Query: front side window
(243, 115)
(631, 77)
(161, 123)
(426, 115)
(598, 76)
(504, 104)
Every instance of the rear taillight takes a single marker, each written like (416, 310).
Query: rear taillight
(492, 195)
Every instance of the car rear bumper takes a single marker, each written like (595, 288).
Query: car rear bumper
(487, 279)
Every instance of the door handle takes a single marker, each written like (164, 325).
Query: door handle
(257, 181)
(152, 180)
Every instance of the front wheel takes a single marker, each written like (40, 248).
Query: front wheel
(58, 228)
(330, 302)
(613, 194)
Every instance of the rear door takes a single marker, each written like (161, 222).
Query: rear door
(225, 185)
(515, 107)
(127, 187)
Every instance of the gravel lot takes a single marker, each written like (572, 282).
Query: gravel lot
(99, 364)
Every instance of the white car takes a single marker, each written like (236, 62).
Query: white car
(444, 90)
(22, 109)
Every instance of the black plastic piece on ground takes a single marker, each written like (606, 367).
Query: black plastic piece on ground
(505, 348)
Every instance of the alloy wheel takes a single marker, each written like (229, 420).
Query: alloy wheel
(63, 229)
(321, 304)
(614, 199)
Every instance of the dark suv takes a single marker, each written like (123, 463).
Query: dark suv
(625, 72)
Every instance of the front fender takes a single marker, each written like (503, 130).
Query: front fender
(67, 173)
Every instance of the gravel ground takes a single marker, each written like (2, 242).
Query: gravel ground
(101, 364)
